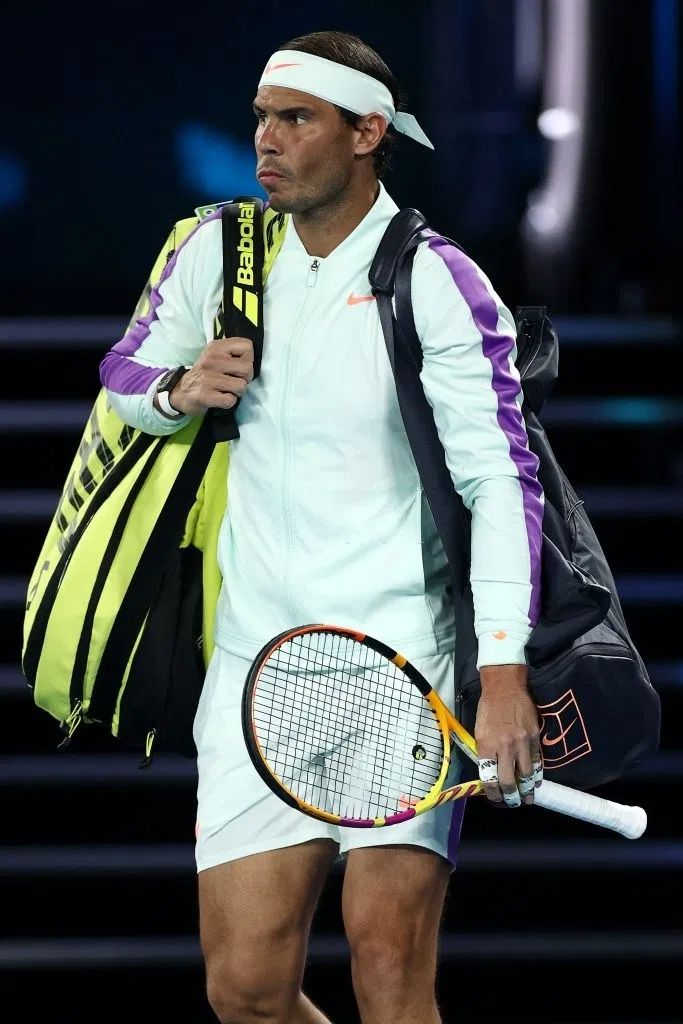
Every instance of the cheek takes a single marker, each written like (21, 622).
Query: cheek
(323, 163)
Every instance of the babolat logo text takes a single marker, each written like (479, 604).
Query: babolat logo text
(245, 271)
(245, 298)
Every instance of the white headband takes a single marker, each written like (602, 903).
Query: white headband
(345, 87)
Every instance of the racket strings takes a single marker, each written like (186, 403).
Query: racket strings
(344, 729)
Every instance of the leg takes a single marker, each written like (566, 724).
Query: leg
(255, 916)
(392, 904)
(261, 867)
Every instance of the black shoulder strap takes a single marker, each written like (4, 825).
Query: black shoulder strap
(243, 256)
(396, 249)
(390, 277)
(405, 227)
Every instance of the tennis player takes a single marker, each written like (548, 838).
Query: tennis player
(326, 521)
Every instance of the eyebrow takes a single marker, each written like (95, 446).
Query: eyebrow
(287, 112)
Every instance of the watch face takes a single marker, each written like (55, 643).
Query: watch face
(170, 379)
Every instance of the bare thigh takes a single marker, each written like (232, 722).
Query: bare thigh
(255, 916)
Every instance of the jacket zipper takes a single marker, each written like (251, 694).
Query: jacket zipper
(285, 477)
(313, 273)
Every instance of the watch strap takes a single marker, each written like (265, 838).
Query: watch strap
(164, 388)
(166, 407)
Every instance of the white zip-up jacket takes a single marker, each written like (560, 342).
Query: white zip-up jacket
(326, 520)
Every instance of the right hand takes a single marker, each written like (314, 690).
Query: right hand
(218, 379)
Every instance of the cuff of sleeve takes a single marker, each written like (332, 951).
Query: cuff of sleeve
(501, 649)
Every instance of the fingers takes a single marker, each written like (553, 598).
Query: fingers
(537, 762)
(529, 771)
(499, 780)
(231, 356)
(235, 346)
(201, 389)
(488, 774)
(234, 353)
(526, 785)
(509, 786)
(224, 392)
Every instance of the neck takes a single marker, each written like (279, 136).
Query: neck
(321, 230)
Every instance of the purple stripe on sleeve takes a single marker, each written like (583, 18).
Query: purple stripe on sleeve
(126, 377)
(117, 372)
(497, 347)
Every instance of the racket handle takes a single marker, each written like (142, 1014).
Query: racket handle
(629, 821)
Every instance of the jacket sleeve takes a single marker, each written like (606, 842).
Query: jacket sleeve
(166, 331)
(469, 346)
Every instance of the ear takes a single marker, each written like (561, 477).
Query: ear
(370, 129)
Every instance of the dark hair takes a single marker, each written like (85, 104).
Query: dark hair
(354, 53)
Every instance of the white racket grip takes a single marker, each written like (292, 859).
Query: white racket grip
(629, 821)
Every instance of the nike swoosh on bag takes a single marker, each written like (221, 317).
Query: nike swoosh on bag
(353, 300)
(557, 739)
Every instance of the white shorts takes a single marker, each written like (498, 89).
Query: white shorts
(237, 815)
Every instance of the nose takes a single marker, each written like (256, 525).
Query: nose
(267, 139)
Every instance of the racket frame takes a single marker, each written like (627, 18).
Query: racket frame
(446, 723)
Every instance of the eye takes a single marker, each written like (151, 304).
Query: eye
(297, 119)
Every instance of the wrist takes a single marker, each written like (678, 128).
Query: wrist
(166, 387)
(496, 677)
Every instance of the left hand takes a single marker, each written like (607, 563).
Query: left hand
(507, 732)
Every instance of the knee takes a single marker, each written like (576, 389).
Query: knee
(250, 988)
(383, 960)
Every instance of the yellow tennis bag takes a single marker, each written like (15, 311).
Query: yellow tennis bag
(118, 628)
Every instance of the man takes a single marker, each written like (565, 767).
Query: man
(326, 521)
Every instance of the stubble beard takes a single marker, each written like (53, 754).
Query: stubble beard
(313, 203)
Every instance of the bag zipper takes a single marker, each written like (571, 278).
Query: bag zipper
(149, 743)
(70, 724)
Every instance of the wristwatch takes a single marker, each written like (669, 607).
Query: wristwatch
(164, 388)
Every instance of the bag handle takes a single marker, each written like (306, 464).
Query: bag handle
(243, 258)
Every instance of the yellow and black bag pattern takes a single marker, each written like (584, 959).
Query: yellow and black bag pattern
(118, 628)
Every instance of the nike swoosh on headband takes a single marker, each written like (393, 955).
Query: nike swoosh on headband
(275, 67)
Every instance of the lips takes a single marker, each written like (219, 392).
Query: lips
(265, 172)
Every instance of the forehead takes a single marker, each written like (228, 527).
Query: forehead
(272, 98)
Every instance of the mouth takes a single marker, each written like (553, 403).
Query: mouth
(266, 175)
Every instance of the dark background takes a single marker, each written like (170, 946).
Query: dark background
(115, 126)
(117, 121)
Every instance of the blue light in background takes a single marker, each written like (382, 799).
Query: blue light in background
(13, 181)
(628, 411)
(665, 76)
(635, 410)
(214, 164)
(665, 65)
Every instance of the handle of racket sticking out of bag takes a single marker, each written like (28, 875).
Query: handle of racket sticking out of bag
(242, 314)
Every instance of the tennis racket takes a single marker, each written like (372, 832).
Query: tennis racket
(345, 729)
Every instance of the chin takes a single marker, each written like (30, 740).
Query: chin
(281, 203)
